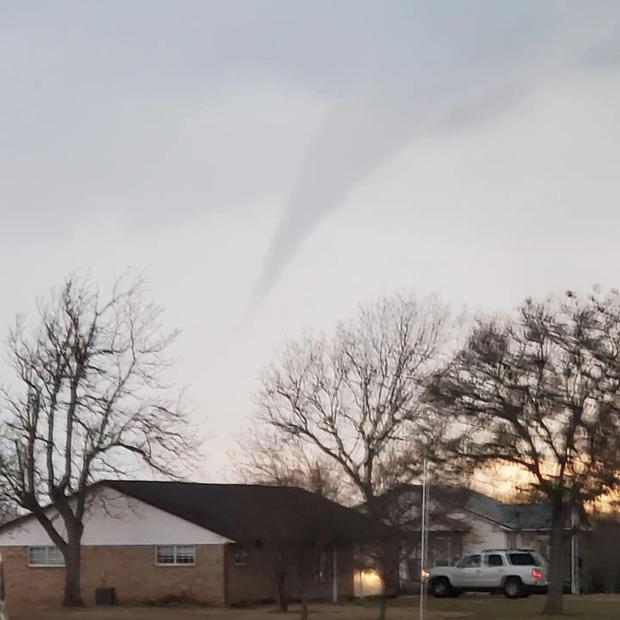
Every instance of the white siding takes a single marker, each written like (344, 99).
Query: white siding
(483, 535)
(115, 519)
(535, 540)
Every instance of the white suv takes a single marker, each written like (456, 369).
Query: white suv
(516, 572)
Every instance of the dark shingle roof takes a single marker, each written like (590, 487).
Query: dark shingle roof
(533, 516)
(249, 513)
(528, 516)
(437, 522)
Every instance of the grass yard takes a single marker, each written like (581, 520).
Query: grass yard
(595, 607)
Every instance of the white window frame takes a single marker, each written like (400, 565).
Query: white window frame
(46, 563)
(175, 549)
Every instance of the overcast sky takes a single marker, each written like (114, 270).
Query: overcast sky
(275, 162)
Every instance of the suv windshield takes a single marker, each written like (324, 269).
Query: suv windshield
(522, 559)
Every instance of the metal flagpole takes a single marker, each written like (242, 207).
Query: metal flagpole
(423, 544)
(426, 530)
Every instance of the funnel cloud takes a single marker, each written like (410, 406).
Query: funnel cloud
(360, 135)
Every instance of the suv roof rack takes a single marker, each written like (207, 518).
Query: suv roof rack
(506, 549)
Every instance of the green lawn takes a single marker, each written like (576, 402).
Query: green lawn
(471, 607)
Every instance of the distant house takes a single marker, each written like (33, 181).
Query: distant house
(462, 521)
(215, 544)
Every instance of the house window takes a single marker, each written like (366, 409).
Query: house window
(325, 565)
(175, 555)
(45, 556)
(241, 556)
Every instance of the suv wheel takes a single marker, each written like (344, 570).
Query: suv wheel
(441, 587)
(513, 588)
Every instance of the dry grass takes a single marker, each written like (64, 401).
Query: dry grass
(469, 607)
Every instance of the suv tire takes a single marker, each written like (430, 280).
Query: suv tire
(441, 587)
(513, 587)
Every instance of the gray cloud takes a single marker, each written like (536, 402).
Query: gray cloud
(358, 138)
(130, 107)
(151, 132)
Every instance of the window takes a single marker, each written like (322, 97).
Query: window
(493, 560)
(522, 559)
(443, 551)
(469, 561)
(241, 556)
(175, 555)
(403, 569)
(45, 556)
(325, 565)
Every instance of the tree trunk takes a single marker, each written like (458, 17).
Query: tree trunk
(389, 572)
(553, 603)
(303, 584)
(383, 599)
(73, 587)
(280, 590)
(304, 605)
(3, 612)
(383, 606)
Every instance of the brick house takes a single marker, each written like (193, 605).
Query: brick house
(463, 521)
(214, 544)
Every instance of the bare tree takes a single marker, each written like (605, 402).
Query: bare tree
(8, 510)
(293, 564)
(263, 458)
(355, 397)
(88, 402)
(541, 390)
